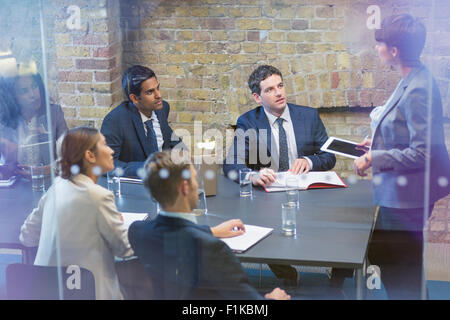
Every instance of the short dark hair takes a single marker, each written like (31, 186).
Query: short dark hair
(133, 77)
(260, 74)
(406, 33)
(163, 185)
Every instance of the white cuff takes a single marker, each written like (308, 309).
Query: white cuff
(309, 162)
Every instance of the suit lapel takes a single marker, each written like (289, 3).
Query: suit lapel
(164, 128)
(299, 127)
(263, 124)
(139, 127)
(398, 94)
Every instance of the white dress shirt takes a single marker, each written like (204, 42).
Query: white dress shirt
(290, 136)
(156, 127)
(182, 215)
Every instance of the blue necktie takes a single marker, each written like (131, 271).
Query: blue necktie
(284, 155)
(151, 136)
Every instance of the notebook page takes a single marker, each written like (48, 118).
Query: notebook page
(252, 235)
(130, 217)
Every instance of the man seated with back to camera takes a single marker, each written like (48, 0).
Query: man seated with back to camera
(186, 260)
(138, 127)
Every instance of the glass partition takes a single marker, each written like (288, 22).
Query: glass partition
(90, 90)
(32, 121)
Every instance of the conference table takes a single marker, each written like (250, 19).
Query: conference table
(333, 225)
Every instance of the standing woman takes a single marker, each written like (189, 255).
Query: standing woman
(84, 214)
(398, 153)
(29, 92)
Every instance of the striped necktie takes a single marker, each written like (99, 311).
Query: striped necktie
(284, 155)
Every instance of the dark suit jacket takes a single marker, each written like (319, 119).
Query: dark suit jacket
(310, 135)
(124, 133)
(185, 261)
(400, 145)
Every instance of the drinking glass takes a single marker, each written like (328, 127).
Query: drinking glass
(288, 218)
(245, 184)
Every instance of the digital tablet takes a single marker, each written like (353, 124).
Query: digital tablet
(342, 147)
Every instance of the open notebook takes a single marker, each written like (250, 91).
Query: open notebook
(310, 180)
(252, 235)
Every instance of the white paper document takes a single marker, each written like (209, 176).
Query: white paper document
(7, 183)
(130, 217)
(252, 235)
(130, 180)
(312, 179)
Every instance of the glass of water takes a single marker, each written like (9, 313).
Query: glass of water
(292, 193)
(245, 184)
(201, 204)
(289, 218)
(113, 182)
(37, 178)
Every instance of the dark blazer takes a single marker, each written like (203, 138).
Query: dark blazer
(124, 133)
(185, 261)
(310, 135)
(400, 147)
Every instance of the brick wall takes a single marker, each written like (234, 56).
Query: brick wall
(204, 51)
(88, 61)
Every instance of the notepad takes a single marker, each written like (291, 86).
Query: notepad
(252, 235)
(310, 180)
(130, 217)
(130, 180)
(7, 182)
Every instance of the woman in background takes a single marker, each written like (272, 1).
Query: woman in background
(33, 129)
(84, 214)
(9, 121)
(408, 133)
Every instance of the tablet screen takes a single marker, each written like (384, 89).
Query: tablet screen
(345, 147)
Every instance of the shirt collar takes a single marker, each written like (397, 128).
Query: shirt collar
(145, 118)
(285, 115)
(182, 215)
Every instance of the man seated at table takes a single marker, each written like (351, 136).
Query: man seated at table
(183, 259)
(286, 137)
(138, 127)
(294, 145)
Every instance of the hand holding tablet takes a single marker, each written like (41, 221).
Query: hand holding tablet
(345, 148)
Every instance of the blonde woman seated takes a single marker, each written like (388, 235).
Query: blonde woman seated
(84, 214)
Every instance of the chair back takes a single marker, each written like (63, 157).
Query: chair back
(29, 282)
